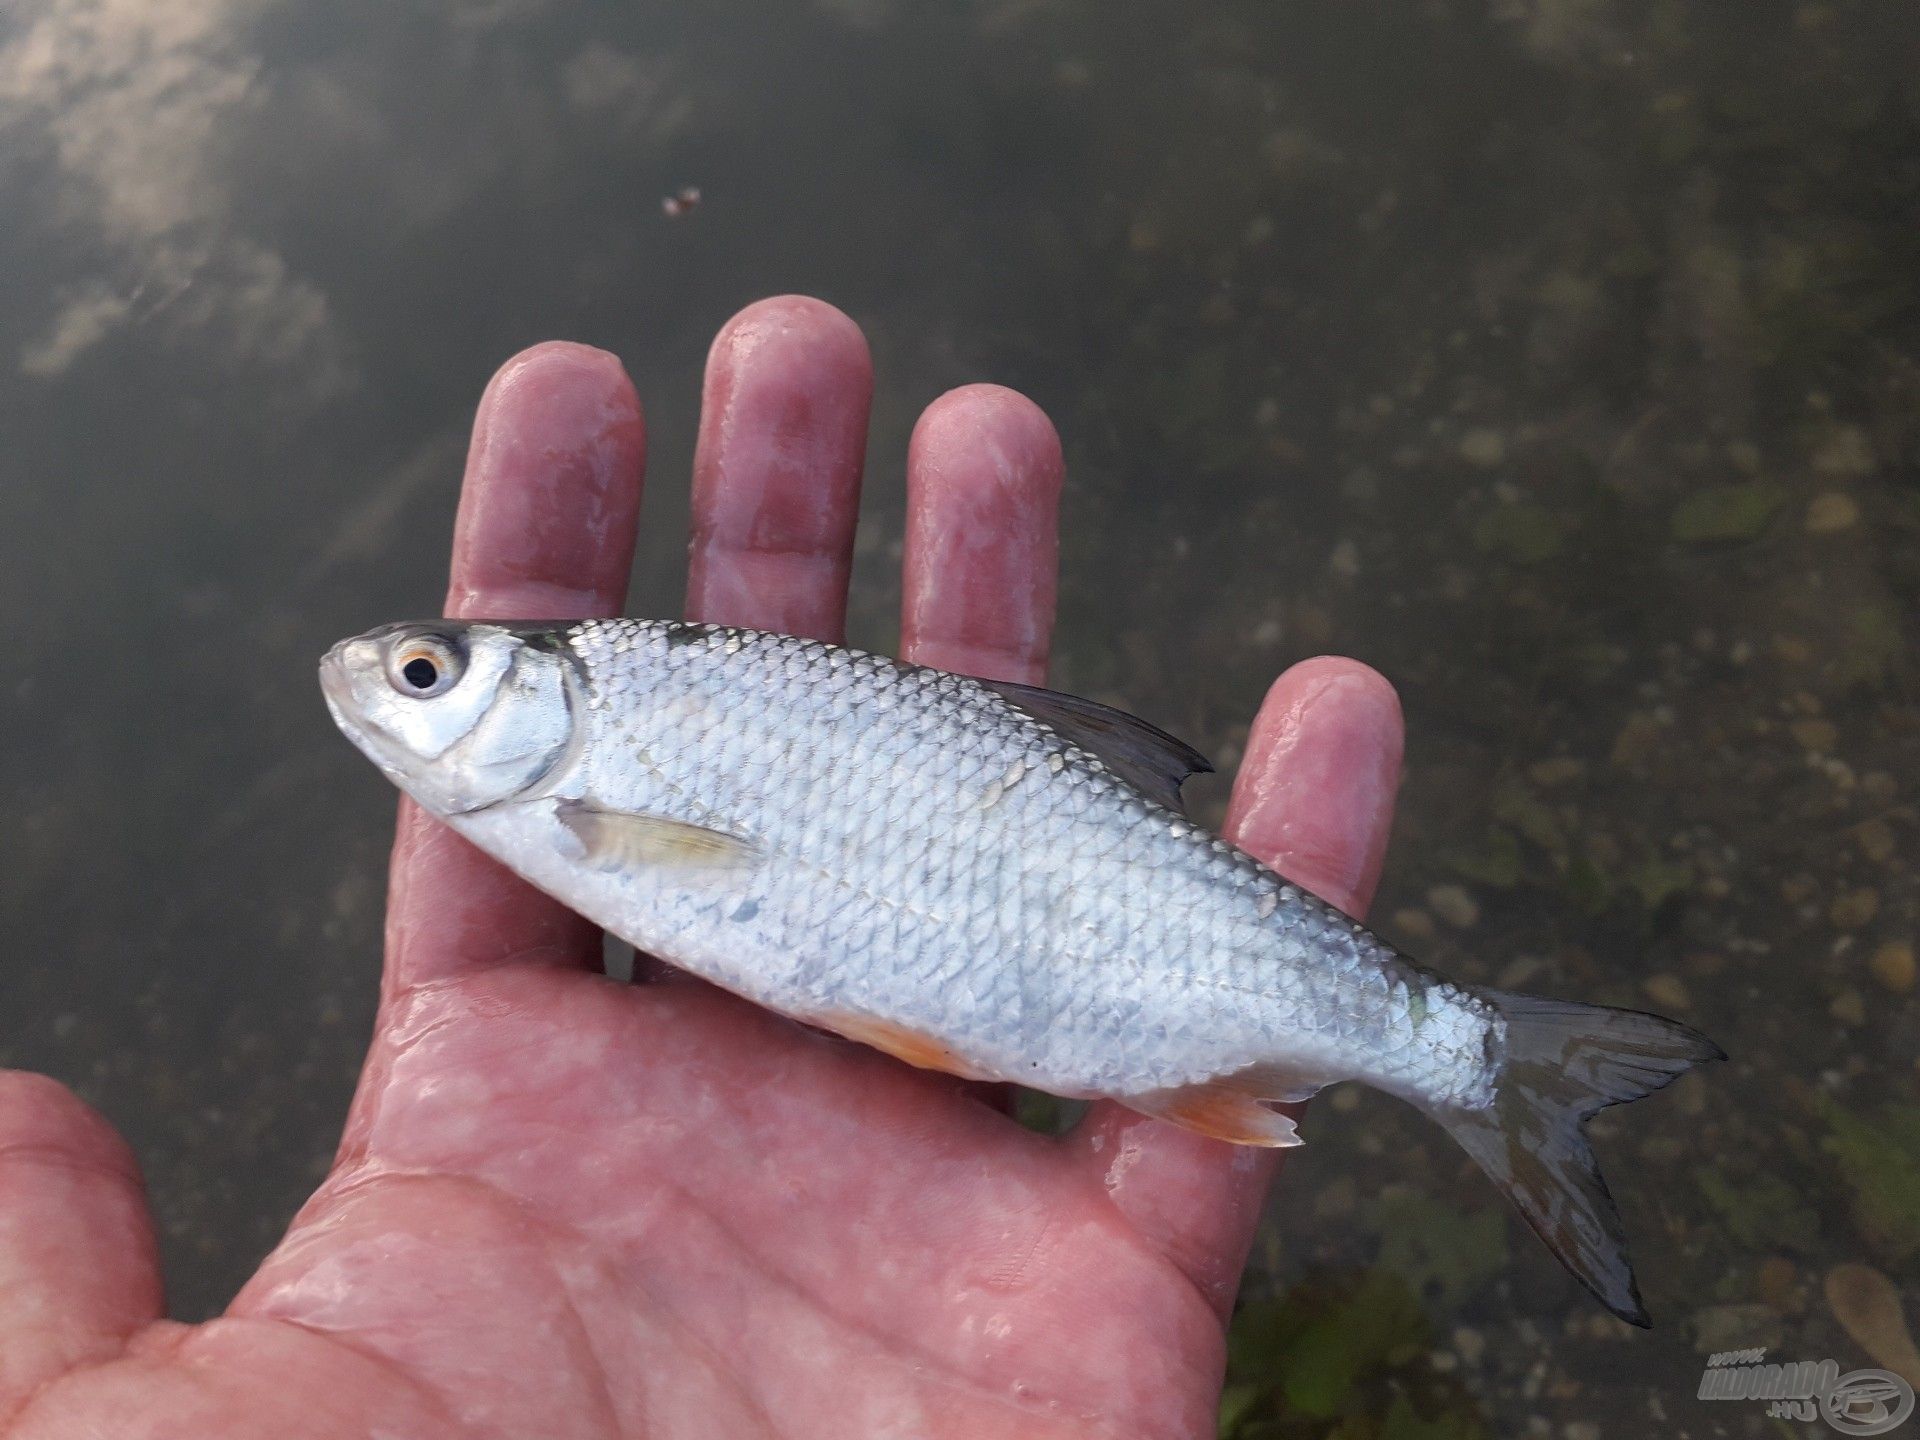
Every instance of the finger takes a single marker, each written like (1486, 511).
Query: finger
(983, 536)
(78, 1269)
(545, 532)
(1314, 800)
(776, 473)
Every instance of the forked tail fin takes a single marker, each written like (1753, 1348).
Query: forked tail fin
(1564, 1061)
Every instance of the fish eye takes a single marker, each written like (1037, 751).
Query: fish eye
(423, 666)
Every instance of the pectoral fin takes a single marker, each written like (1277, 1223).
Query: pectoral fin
(629, 840)
(1221, 1109)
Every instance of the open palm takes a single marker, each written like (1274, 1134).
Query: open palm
(565, 1207)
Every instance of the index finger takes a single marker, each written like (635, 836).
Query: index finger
(545, 531)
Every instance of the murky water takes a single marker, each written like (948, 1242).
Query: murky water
(1559, 357)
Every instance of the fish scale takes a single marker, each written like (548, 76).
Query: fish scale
(1074, 958)
(977, 877)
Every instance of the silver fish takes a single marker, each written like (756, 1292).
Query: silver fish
(978, 877)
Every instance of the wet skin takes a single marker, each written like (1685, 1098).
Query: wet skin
(663, 1212)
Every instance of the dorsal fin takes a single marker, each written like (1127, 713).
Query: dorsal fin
(1149, 759)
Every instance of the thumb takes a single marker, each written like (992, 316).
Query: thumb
(78, 1269)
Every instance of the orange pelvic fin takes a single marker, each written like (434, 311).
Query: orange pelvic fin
(900, 1041)
(1222, 1109)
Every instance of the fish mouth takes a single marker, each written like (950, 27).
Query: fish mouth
(336, 687)
(331, 666)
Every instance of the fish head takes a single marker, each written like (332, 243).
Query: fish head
(461, 715)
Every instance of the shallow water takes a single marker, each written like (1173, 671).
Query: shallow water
(1558, 357)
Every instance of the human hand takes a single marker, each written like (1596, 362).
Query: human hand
(571, 1208)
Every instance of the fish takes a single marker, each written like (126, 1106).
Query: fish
(982, 878)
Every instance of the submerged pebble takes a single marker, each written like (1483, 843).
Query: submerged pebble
(1876, 839)
(1819, 736)
(1735, 1327)
(1669, 991)
(1414, 924)
(1557, 771)
(1832, 512)
(1867, 1305)
(1844, 450)
(1776, 1281)
(1483, 446)
(1853, 908)
(1454, 905)
(1893, 966)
